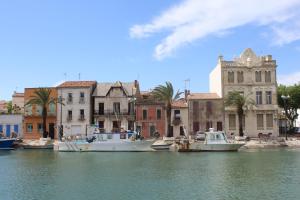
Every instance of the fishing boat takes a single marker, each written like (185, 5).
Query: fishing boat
(105, 142)
(215, 141)
(6, 143)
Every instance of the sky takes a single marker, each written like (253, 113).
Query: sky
(43, 43)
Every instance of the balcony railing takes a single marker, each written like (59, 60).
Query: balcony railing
(81, 118)
(123, 112)
(176, 120)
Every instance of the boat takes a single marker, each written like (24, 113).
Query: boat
(6, 143)
(214, 141)
(105, 142)
(161, 145)
(42, 143)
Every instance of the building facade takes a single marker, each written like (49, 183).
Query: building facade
(205, 111)
(75, 114)
(150, 115)
(18, 102)
(33, 120)
(179, 118)
(254, 77)
(11, 125)
(114, 106)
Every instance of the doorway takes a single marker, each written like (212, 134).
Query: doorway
(51, 130)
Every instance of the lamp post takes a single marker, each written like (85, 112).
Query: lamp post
(285, 99)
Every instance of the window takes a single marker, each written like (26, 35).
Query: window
(267, 76)
(29, 128)
(269, 121)
(181, 131)
(258, 76)
(40, 128)
(69, 118)
(70, 98)
(230, 77)
(145, 114)
(81, 114)
(52, 108)
(258, 97)
(176, 114)
(268, 97)
(130, 125)
(209, 125)
(81, 97)
(39, 110)
(219, 126)
(240, 77)
(101, 108)
(260, 121)
(209, 107)
(158, 114)
(232, 122)
(116, 108)
(196, 127)
(101, 124)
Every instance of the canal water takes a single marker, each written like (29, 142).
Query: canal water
(47, 175)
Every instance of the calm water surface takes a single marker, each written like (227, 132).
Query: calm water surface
(32, 174)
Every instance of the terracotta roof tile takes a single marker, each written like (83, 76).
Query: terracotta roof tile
(203, 96)
(181, 103)
(70, 84)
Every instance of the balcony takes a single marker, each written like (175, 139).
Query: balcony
(177, 120)
(108, 113)
(81, 118)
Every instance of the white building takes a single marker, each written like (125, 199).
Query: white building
(76, 112)
(179, 118)
(114, 106)
(254, 77)
(11, 123)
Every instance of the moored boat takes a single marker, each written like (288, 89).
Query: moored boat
(6, 143)
(215, 141)
(105, 142)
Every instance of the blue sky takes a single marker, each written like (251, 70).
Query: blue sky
(152, 41)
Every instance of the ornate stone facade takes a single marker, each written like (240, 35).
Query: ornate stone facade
(254, 77)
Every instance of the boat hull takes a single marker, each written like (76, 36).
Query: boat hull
(197, 146)
(126, 146)
(6, 144)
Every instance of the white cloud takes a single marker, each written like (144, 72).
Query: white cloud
(289, 79)
(194, 19)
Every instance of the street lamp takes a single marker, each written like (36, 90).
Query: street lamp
(285, 99)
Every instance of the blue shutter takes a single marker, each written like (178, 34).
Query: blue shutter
(7, 130)
(16, 128)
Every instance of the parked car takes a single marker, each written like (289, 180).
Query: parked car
(297, 130)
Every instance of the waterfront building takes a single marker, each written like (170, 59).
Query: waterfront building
(205, 111)
(18, 102)
(179, 118)
(3, 106)
(33, 120)
(254, 77)
(114, 106)
(11, 125)
(75, 114)
(150, 115)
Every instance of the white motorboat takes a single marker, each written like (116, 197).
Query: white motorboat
(161, 145)
(105, 142)
(215, 141)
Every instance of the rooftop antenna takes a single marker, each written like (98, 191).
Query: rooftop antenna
(187, 84)
(78, 76)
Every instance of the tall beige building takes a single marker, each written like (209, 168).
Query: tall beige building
(254, 77)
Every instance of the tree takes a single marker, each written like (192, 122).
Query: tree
(9, 107)
(166, 94)
(292, 103)
(42, 98)
(241, 103)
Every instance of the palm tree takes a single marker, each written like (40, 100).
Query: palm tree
(42, 98)
(241, 103)
(165, 93)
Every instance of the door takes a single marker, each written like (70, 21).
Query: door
(16, 129)
(7, 130)
(152, 130)
(51, 130)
